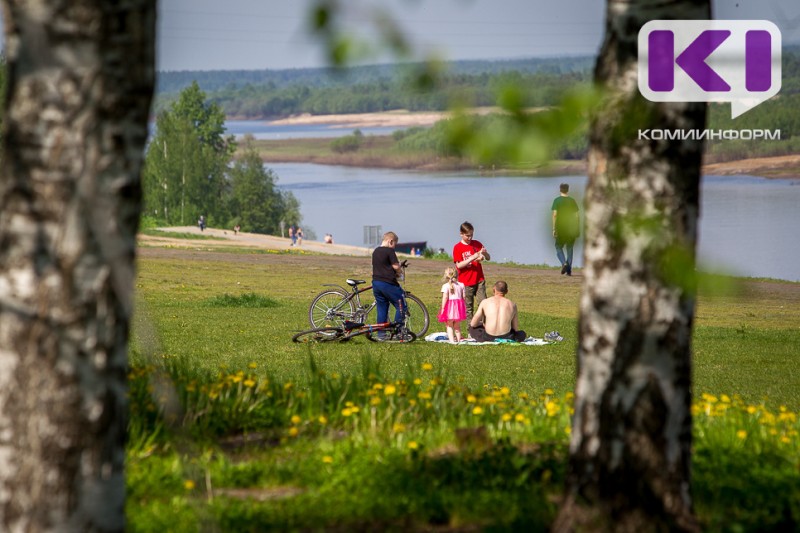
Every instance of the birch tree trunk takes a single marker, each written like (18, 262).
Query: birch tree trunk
(80, 82)
(630, 448)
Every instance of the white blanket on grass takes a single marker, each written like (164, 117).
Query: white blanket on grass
(442, 337)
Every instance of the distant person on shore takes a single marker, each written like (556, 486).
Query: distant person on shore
(328, 238)
(201, 222)
(566, 227)
(299, 234)
(467, 256)
(453, 310)
(292, 235)
(236, 229)
(496, 318)
(386, 270)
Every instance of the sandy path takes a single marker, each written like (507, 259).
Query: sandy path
(228, 238)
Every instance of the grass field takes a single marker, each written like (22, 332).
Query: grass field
(272, 435)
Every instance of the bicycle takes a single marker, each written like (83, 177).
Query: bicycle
(333, 307)
(392, 332)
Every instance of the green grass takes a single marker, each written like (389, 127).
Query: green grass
(365, 436)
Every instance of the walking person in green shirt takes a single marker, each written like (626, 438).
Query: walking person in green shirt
(566, 227)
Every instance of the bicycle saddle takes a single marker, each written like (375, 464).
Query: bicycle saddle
(354, 282)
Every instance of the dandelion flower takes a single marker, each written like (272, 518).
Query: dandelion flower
(519, 417)
(427, 366)
(293, 431)
(347, 411)
(412, 445)
(296, 419)
(477, 410)
(549, 392)
(327, 459)
(424, 395)
(388, 390)
(322, 420)
(471, 399)
(252, 365)
(249, 382)
(506, 417)
(417, 381)
(188, 484)
(398, 427)
(742, 434)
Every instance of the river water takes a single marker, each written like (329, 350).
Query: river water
(746, 223)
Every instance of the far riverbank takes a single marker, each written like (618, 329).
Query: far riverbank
(377, 151)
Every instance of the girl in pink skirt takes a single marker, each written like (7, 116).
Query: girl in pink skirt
(454, 309)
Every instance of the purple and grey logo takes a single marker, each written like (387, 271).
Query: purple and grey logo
(736, 61)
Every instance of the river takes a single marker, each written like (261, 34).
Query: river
(746, 222)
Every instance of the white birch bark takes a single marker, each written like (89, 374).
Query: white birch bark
(630, 448)
(80, 79)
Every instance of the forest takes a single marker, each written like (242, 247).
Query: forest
(540, 83)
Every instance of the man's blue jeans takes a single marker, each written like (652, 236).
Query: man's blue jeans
(570, 245)
(385, 294)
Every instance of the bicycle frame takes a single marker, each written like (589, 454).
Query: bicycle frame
(354, 295)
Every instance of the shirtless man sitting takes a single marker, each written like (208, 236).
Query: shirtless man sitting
(496, 318)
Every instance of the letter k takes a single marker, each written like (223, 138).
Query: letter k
(693, 60)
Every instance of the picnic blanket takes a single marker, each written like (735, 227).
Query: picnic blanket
(530, 341)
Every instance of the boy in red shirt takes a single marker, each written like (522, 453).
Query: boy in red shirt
(467, 255)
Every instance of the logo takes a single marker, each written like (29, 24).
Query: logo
(736, 61)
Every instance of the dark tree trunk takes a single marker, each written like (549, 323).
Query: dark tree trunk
(80, 82)
(631, 434)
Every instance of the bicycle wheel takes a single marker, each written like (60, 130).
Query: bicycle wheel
(325, 334)
(392, 335)
(418, 317)
(330, 308)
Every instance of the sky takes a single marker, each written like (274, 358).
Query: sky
(273, 34)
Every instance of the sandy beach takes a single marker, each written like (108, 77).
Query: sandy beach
(399, 119)
(787, 166)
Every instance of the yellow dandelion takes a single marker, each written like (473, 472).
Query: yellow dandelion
(751, 409)
(188, 484)
(477, 410)
(568, 430)
(424, 395)
(378, 386)
(471, 399)
(322, 420)
(249, 383)
(397, 427)
(412, 401)
(506, 417)
(348, 404)
(505, 391)
(287, 386)
(522, 395)
(427, 366)
(742, 434)
(327, 459)
(293, 431)
(296, 419)
(375, 401)
(252, 365)
(519, 417)
(549, 392)
(388, 390)
(347, 412)
(354, 409)
(725, 398)
(417, 381)
(412, 445)
(785, 439)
